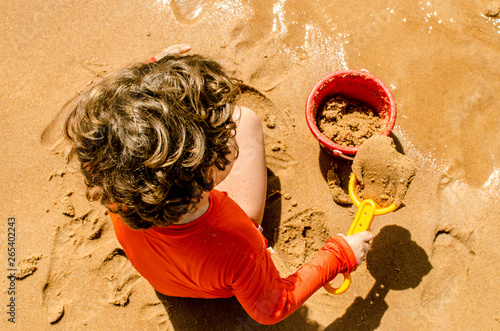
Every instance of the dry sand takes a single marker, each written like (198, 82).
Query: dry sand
(434, 263)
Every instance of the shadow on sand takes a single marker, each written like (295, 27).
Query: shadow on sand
(397, 263)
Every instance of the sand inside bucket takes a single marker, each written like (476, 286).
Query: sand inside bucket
(382, 172)
(348, 122)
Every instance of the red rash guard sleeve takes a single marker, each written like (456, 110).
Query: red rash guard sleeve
(268, 298)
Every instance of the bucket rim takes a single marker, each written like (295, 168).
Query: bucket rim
(329, 145)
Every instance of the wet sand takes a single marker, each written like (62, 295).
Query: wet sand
(434, 261)
(349, 122)
(383, 174)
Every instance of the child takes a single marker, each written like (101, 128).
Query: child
(182, 171)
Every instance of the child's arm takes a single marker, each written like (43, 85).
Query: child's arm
(268, 298)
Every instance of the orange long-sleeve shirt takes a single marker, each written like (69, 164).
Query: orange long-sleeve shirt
(222, 254)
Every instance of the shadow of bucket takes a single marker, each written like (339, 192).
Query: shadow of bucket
(354, 84)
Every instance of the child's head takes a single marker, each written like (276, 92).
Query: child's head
(147, 137)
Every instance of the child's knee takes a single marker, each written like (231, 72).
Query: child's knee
(249, 123)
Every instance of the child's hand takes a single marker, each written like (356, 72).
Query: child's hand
(360, 244)
(175, 49)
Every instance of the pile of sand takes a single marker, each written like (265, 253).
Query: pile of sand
(348, 122)
(382, 172)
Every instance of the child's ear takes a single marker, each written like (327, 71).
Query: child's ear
(211, 176)
(93, 193)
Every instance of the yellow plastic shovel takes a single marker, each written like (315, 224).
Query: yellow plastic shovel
(367, 209)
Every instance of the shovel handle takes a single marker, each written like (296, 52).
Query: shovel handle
(339, 290)
(367, 209)
(362, 222)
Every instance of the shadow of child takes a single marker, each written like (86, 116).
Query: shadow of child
(193, 314)
(397, 263)
(189, 314)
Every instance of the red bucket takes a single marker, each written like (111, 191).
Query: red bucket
(355, 84)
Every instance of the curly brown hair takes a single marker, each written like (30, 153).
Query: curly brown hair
(147, 136)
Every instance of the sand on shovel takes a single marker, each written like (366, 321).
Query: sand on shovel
(382, 172)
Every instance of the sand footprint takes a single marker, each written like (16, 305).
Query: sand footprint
(70, 244)
(452, 254)
(301, 236)
(84, 249)
(120, 276)
(451, 257)
(156, 313)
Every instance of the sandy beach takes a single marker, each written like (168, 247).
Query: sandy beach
(435, 261)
